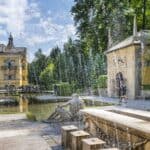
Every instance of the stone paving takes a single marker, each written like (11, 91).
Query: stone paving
(135, 104)
(17, 133)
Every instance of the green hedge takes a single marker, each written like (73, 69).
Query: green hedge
(102, 81)
(146, 87)
(64, 89)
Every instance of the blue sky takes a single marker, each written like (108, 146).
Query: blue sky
(36, 23)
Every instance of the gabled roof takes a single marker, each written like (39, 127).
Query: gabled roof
(142, 36)
(128, 41)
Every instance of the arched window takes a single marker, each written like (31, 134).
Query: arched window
(9, 63)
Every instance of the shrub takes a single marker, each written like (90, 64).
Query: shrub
(64, 89)
(78, 91)
(146, 87)
(102, 81)
(31, 116)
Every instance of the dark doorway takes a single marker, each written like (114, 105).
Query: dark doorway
(120, 85)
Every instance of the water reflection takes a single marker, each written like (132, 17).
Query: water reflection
(23, 104)
(40, 110)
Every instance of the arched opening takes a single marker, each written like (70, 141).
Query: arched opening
(120, 85)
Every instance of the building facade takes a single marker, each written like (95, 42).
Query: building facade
(13, 65)
(130, 59)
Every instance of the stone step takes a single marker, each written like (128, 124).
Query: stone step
(76, 139)
(66, 136)
(92, 144)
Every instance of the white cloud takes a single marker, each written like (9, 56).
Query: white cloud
(2, 32)
(16, 17)
(15, 13)
(12, 14)
(33, 10)
(48, 31)
(38, 39)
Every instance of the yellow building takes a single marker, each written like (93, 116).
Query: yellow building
(131, 60)
(13, 65)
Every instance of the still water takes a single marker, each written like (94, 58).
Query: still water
(40, 110)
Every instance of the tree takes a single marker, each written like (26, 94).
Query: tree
(81, 61)
(54, 58)
(47, 77)
(55, 52)
(36, 67)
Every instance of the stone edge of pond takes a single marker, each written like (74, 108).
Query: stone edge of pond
(6, 101)
(52, 99)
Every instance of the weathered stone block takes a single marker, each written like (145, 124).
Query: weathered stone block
(92, 144)
(66, 137)
(121, 128)
(76, 139)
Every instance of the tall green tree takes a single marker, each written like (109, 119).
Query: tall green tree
(36, 67)
(47, 77)
(54, 58)
(81, 61)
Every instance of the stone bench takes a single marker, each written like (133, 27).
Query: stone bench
(92, 144)
(76, 139)
(66, 137)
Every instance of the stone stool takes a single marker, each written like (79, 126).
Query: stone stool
(92, 144)
(76, 138)
(66, 137)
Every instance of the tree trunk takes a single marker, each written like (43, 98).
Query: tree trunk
(144, 14)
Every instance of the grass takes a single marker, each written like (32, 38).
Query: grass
(31, 116)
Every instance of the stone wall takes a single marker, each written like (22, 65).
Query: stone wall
(123, 128)
(19, 71)
(146, 66)
(122, 60)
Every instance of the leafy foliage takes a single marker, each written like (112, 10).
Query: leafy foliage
(81, 62)
(36, 67)
(102, 81)
(146, 87)
(46, 76)
(64, 89)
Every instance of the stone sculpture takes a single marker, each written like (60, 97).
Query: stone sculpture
(73, 114)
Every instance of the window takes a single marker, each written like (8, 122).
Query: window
(9, 63)
(5, 77)
(9, 77)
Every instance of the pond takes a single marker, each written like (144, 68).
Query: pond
(41, 110)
